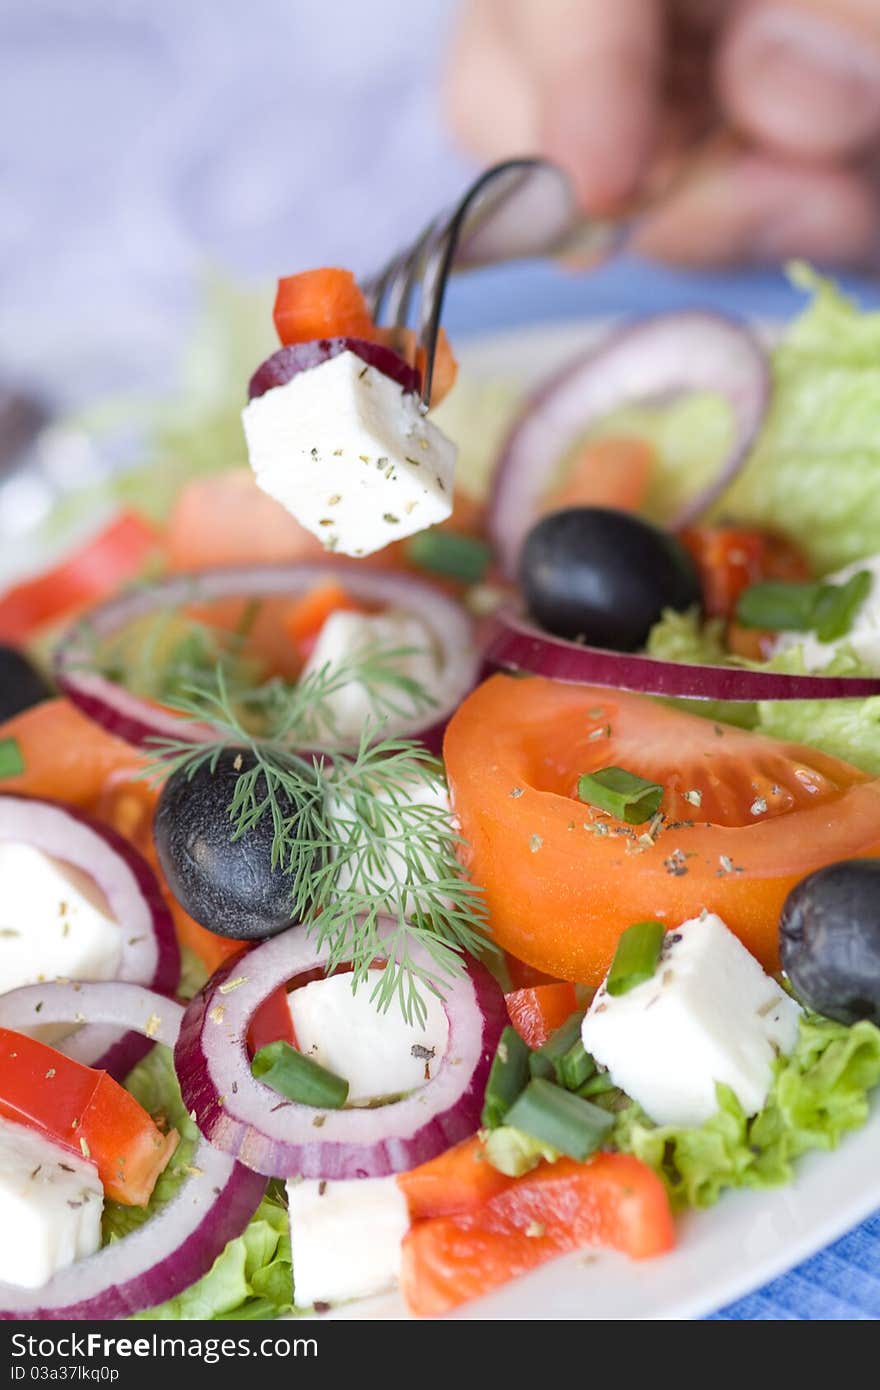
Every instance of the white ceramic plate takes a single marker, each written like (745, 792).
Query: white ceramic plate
(749, 1237)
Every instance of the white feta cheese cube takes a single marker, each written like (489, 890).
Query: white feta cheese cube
(350, 454)
(377, 1052)
(863, 637)
(54, 921)
(345, 1238)
(345, 636)
(50, 1207)
(383, 873)
(709, 1013)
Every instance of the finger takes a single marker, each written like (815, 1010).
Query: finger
(488, 94)
(803, 76)
(596, 68)
(756, 208)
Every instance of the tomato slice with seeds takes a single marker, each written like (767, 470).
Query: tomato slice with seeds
(744, 818)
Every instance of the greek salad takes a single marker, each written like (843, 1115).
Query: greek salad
(416, 867)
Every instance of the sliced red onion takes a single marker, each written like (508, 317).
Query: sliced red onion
(655, 358)
(516, 645)
(150, 954)
(138, 720)
(250, 1122)
(289, 361)
(178, 1244)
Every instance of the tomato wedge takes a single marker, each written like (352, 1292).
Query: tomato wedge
(612, 1200)
(730, 558)
(458, 1180)
(66, 756)
(537, 1012)
(85, 1111)
(118, 554)
(228, 520)
(745, 817)
(605, 473)
(271, 1023)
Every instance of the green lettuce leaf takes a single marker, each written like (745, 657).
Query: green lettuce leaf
(252, 1277)
(847, 729)
(819, 1093)
(815, 468)
(684, 637)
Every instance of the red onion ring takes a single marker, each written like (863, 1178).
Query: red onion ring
(289, 361)
(150, 953)
(661, 356)
(245, 1119)
(181, 1241)
(138, 721)
(514, 644)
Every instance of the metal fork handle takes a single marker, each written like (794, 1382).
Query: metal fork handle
(519, 209)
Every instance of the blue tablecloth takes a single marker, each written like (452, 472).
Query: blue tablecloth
(842, 1282)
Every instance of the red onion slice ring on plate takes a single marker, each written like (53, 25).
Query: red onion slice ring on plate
(150, 953)
(178, 1244)
(516, 645)
(138, 720)
(248, 1121)
(289, 361)
(655, 358)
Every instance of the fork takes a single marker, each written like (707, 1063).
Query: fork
(514, 210)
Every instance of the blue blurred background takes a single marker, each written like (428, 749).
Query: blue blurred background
(142, 142)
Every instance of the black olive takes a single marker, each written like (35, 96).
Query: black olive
(227, 884)
(603, 577)
(21, 684)
(830, 940)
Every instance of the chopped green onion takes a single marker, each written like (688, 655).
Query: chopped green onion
(515, 1153)
(556, 1117)
(575, 1067)
(507, 1077)
(597, 1085)
(451, 554)
(297, 1077)
(549, 1060)
(624, 794)
(11, 761)
(826, 609)
(636, 957)
(838, 604)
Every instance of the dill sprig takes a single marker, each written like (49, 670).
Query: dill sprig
(357, 820)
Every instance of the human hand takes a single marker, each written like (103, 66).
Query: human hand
(619, 92)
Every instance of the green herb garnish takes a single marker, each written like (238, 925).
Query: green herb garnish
(356, 812)
(556, 1117)
(623, 794)
(826, 609)
(11, 761)
(548, 1060)
(447, 552)
(507, 1078)
(300, 1078)
(636, 957)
